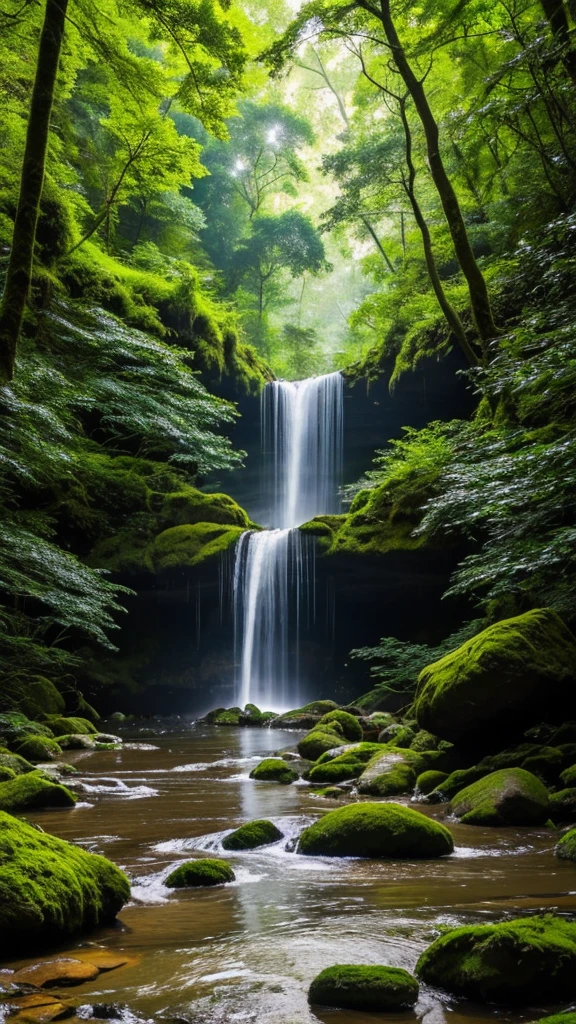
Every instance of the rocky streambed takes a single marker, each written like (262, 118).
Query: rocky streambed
(247, 951)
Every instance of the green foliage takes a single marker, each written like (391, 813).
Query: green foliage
(377, 830)
(513, 962)
(206, 871)
(51, 889)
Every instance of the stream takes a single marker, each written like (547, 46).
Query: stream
(246, 952)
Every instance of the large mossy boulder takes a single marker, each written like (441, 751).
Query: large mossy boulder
(273, 769)
(389, 773)
(50, 889)
(31, 790)
(19, 765)
(206, 871)
(512, 796)
(376, 830)
(14, 726)
(305, 717)
(40, 697)
(532, 959)
(38, 748)
(338, 769)
(251, 835)
(500, 678)
(374, 989)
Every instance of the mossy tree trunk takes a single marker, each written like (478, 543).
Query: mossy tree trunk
(19, 272)
(477, 288)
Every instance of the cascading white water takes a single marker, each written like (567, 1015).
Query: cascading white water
(302, 431)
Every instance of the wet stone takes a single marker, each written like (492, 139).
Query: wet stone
(56, 972)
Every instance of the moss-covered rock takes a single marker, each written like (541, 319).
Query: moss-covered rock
(363, 751)
(428, 781)
(502, 677)
(377, 830)
(389, 773)
(563, 805)
(340, 769)
(33, 790)
(186, 546)
(568, 776)
(19, 765)
(351, 987)
(227, 716)
(318, 741)
(424, 740)
(349, 725)
(205, 871)
(514, 962)
(71, 726)
(6, 773)
(252, 835)
(547, 763)
(38, 748)
(458, 781)
(40, 697)
(80, 742)
(14, 726)
(50, 889)
(558, 1018)
(305, 717)
(273, 769)
(508, 797)
(566, 848)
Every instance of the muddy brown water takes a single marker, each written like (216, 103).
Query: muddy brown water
(246, 952)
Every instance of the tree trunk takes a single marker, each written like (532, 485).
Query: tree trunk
(558, 20)
(19, 272)
(450, 314)
(479, 298)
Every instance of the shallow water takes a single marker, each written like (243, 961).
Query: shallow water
(246, 952)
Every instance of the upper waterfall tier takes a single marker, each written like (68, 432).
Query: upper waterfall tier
(302, 433)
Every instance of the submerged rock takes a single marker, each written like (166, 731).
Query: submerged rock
(351, 987)
(273, 769)
(514, 962)
(251, 835)
(509, 797)
(65, 971)
(33, 790)
(205, 871)
(50, 888)
(377, 830)
(501, 677)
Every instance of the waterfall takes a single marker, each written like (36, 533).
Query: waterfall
(302, 432)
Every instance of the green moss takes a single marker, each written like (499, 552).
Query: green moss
(351, 987)
(566, 848)
(458, 781)
(206, 871)
(19, 765)
(350, 726)
(558, 1018)
(6, 773)
(33, 790)
(424, 740)
(514, 962)
(363, 752)
(189, 506)
(502, 675)
(251, 835)
(568, 777)
(187, 546)
(274, 770)
(512, 757)
(427, 781)
(14, 726)
(511, 796)
(377, 830)
(38, 748)
(391, 771)
(547, 764)
(318, 741)
(72, 726)
(563, 805)
(50, 889)
(338, 770)
(40, 697)
(227, 716)
(316, 707)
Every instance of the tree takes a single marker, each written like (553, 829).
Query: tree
(19, 273)
(289, 242)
